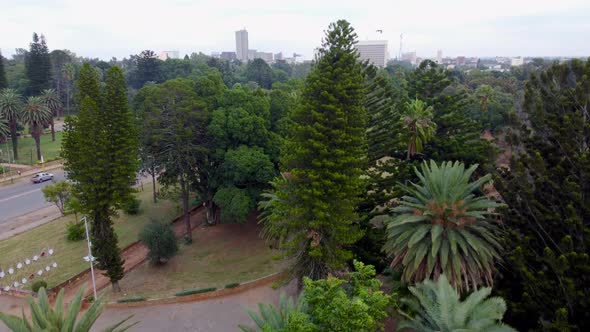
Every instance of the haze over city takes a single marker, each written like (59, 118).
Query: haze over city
(458, 27)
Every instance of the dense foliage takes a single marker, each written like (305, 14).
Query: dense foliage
(354, 303)
(323, 160)
(160, 240)
(547, 192)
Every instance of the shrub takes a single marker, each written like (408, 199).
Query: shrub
(195, 291)
(232, 285)
(131, 299)
(38, 284)
(160, 240)
(132, 207)
(75, 231)
(90, 298)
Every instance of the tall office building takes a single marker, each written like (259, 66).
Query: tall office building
(373, 50)
(439, 57)
(242, 45)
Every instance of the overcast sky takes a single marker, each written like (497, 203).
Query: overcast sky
(107, 28)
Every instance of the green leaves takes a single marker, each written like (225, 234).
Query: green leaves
(444, 219)
(437, 308)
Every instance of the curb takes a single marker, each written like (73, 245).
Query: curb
(57, 164)
(202, 296)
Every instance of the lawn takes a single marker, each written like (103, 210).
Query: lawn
(27, 150)
(68, 255)
(219, 255)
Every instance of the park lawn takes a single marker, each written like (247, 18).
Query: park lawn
(219, 255)
(68, 255)
(27, 150)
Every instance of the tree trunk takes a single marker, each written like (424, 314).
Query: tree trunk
(211, 220)
(14, 138)
(116, 287)
(52, 129)
(154, 187)
(187, 217)
(37, 136)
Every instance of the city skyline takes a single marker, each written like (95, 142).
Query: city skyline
(500, 28)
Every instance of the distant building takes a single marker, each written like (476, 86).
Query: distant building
(518, 61)
(228, 56)
(410, 57)
(266, 56)
(439, 57)
(375, 51)
(242, 45)
(461, 60)
(215, 55)
(279, 56)
(165, 55)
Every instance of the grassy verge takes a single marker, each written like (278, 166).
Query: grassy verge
(27, 151)
(68, 255)
(219, 255)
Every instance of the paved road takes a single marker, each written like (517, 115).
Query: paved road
(24, 197)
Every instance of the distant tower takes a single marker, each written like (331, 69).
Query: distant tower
(401, 38)
(439, 56)
(242, 45)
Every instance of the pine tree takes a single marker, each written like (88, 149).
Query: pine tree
(324, 155)
(547, 190)
(100, 152)
(38, 66)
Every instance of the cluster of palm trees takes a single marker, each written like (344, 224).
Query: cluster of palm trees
(36, 112)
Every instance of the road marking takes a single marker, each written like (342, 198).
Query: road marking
(19, 195)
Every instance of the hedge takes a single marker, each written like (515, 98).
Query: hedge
(232, 285)
(131, 299)
(195, 291)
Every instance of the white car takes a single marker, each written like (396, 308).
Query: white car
(40, 177)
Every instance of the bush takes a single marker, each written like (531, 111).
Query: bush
(90, 298)
(75, 231)
(232, 285)
(132, 207)
(195, 291)
(131, 299)
(160, 240)
(38, 284)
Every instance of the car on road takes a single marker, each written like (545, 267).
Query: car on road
(40, 177)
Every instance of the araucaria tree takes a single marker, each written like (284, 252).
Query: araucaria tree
(51, 100)
(100, 152)
(36, 115)
(314, 209)
(38, 66)
(443, 225)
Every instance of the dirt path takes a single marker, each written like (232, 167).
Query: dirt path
(133, 257)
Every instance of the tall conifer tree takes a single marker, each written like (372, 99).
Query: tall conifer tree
(100, 149)
(3, 80)
(312, 212)
(38, 66)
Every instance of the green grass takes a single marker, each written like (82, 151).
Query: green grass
(27, 151)
(219, 255)
(68, 255)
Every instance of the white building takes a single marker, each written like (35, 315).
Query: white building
(242, 45)
(518, 61)
(373, 50)
(165, 55)
(439, 57)
(266, 56)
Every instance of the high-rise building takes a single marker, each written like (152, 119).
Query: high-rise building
(279, 56)
(410, 57)
(242, 45)
(375, 51)
(251, 54)
(517, 61)
(228, 56)
(439, 57)
(164, 55)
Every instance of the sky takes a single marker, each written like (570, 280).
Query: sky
(117, 28)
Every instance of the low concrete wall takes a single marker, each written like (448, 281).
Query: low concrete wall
(202, 296)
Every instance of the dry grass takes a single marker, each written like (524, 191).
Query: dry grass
(68, 255)
(219, 255)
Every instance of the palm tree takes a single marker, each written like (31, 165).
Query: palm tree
(45, 318)
(4, 131)
(443, 226)
(10, 109)
(438, 308)
(36, 115)
(53, 103)
(418, 122)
